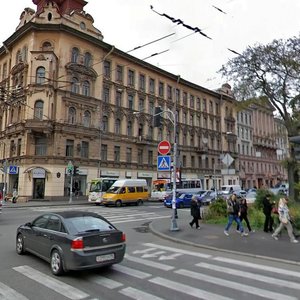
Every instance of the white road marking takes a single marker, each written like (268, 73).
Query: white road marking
(169, 257)
(154, 254)
(7, 293)
(135, 220)
(258, 267)
(106, 282)
(131, 272)
(235, 285)
(253, 276)
(149, 263)
(176, 250)
(138, 295)
(143, 251)
(58, 286)
(187, 289)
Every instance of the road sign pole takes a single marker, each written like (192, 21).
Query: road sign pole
(70, 170)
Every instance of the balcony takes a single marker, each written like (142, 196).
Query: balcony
(39, 126)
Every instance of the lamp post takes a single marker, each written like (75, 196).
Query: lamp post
(174, 226)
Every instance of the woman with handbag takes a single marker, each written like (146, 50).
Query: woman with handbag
(285, 220)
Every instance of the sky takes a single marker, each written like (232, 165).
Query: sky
(128, 24)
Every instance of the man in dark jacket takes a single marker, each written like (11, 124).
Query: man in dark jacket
(195, 212)
(267, 210)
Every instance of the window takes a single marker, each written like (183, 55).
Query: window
(119, 73)
(40, 146)
(117, 151)
(107, 68)
(129, 128)
(130, 77)
(106, 94)
(128, 154)
(150, 157)
(75, 85)
(103, 152)
(70, 148)
(142, 82)
(183, 160)
(151, 108)
(177, 96)
(105, 124)
(41, 221)
(204, 105)
(141, 130)
(84, 149)
(198, 104)
(75, 55)
(140, 156)
(118, 98)
(38, 110)
(184, 98)
(46, 46)
(117, 126)
(192, 101)
(87, 59)
(86, 88)
(19, 147)
(161, 89)
(169, 92)
(72, 115)
(18, 57)
(40, 75)
(151, 85)
(87, 119)
(141, 104)
(53, 223)
(130, 101)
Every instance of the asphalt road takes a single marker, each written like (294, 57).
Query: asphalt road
(154, 268)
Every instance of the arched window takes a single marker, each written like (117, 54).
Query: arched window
(87, 119)
(38, 109)
(40, 75)
(18, 56)
(24, 53)
(47, 46)
(75, 55)
(72, 115)
(86, 88)
(87, 59)
(117, 126)
(75, 85)
(105, 124)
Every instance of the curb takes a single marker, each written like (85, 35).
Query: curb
(184, 242)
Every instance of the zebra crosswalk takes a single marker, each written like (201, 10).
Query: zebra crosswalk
(114, 215)
(164, 275)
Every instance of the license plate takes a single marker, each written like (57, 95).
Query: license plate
(106, 257)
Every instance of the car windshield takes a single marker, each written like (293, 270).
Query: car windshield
(113, 189)
(89, 223)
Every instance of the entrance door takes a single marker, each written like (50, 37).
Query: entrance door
(38, 188)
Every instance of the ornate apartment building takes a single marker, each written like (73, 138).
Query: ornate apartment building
(66, 95)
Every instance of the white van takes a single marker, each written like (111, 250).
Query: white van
(229, 189)
(126, 191)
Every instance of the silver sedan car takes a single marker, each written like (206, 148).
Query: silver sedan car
(72, 240)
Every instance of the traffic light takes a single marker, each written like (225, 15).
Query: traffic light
(76, 170)
(157, 117)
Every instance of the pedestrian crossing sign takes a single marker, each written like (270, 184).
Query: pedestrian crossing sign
(164, 163)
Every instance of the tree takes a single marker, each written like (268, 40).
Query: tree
(271, 71)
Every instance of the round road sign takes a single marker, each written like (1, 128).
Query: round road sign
(164, 147)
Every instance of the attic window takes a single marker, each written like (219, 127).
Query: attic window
(82, 26)
(49, 17)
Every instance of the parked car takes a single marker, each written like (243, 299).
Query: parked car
(250, 197)
(182, 200)
(208, 197)
(72, 240)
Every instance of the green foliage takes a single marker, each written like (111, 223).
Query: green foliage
(217, 209)
(261, 194)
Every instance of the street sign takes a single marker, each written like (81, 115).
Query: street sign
(13, 170)
(227, 160)
(164, 147)
(164, 163)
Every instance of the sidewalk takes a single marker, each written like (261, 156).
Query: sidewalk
(257, 244)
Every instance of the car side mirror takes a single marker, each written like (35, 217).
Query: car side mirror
(29, 224)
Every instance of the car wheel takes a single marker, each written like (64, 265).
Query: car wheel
(118, 203)
(139, 202)
(20, 244)
(56, 263)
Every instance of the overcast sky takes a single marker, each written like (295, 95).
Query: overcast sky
(127, 24)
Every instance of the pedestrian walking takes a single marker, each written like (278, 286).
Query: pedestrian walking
(233, 211)
(195, 212)
(244, 215)
(267, 210)
(285, 220)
